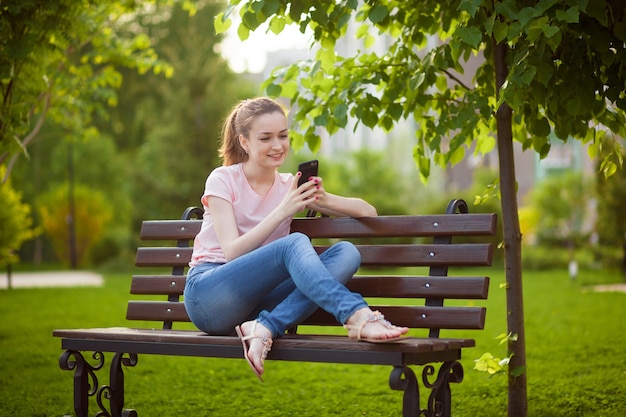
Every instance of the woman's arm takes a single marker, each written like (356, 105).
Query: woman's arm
(336, 205)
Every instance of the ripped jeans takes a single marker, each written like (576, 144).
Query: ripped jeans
(279, 284)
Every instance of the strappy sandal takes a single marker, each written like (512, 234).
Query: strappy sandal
(267, 346)
(374, 317)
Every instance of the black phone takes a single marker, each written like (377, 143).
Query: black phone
(308, 169)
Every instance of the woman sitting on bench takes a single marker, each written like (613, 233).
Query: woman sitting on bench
(247, 271)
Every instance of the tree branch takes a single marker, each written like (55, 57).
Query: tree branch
(24, 143)
(455, 78)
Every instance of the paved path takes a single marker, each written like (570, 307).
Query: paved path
(610, 288)
(51, 279)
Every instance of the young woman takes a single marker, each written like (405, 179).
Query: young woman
(248, 273)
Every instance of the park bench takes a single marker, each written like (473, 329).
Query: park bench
(387, 243)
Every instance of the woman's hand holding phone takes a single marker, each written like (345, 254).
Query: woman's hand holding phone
(307, 169)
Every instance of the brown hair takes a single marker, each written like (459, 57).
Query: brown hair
(238, 123)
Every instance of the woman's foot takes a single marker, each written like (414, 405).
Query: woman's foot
(257, 342)
(371, 326)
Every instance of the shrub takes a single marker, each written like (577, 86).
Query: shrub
(92, 214)
(563, 201)
(16, 223)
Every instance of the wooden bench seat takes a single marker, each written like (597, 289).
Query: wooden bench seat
(404, 274)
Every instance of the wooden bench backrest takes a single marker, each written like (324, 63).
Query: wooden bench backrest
(372, 236)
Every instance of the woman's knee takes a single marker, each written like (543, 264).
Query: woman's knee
(298, 238)
(349, 253)
(349, 249)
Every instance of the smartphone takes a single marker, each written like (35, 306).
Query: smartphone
(308, 169)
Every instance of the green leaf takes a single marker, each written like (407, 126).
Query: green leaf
(318, 14)
(500, 31)
(550, 30)
(251, 18)
(377, 13)
(362, 30)
(243, 32)
(369, 41)
(417, 80)
(341, 111)
(528, 74)
(518, 371)
(289, 89)
(470, 6)
(270, 7)
(608, 168)
(442, 83)
(541, 127)
(573, 105)
(470, 35)
(525, 15)
(395, 110)
(423, 164)
(296, 139)
(370, 118)
(314, 142)
(593, 149)
(321, 120)
(277, 24)
(274, 90)
(485, 144)
(326, 54)
(457, 156)
(570, 16)
(221, 23)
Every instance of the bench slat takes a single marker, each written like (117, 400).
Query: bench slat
(414, 317)
(324, 227)
(367, 285)
(468, 318)
(169, 229)
(156, 311)
(158, 284)
(470, 288)
(426, 255)
(476, 254)
(163, 256)
(397, 226)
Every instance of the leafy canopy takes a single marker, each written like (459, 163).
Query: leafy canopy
(567, 70)
(61, 59)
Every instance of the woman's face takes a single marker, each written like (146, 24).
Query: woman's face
(268, 141)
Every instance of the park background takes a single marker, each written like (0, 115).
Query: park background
(147, 158)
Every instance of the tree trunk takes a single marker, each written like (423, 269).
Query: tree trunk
(518, 401)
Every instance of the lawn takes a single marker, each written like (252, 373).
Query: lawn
(576, 354)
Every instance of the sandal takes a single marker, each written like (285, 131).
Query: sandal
(267, 346)
(374, 317)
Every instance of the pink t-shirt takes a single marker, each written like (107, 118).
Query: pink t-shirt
(230, 184)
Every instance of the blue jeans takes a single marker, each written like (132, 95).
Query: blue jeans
(279, 284)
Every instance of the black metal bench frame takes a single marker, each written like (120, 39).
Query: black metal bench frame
(127, 343)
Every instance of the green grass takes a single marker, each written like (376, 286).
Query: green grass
(576, 354)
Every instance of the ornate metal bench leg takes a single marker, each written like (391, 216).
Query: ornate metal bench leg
(402, 378)
(86, 383)
(115, 391)
(440, 399)
(83, 372)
